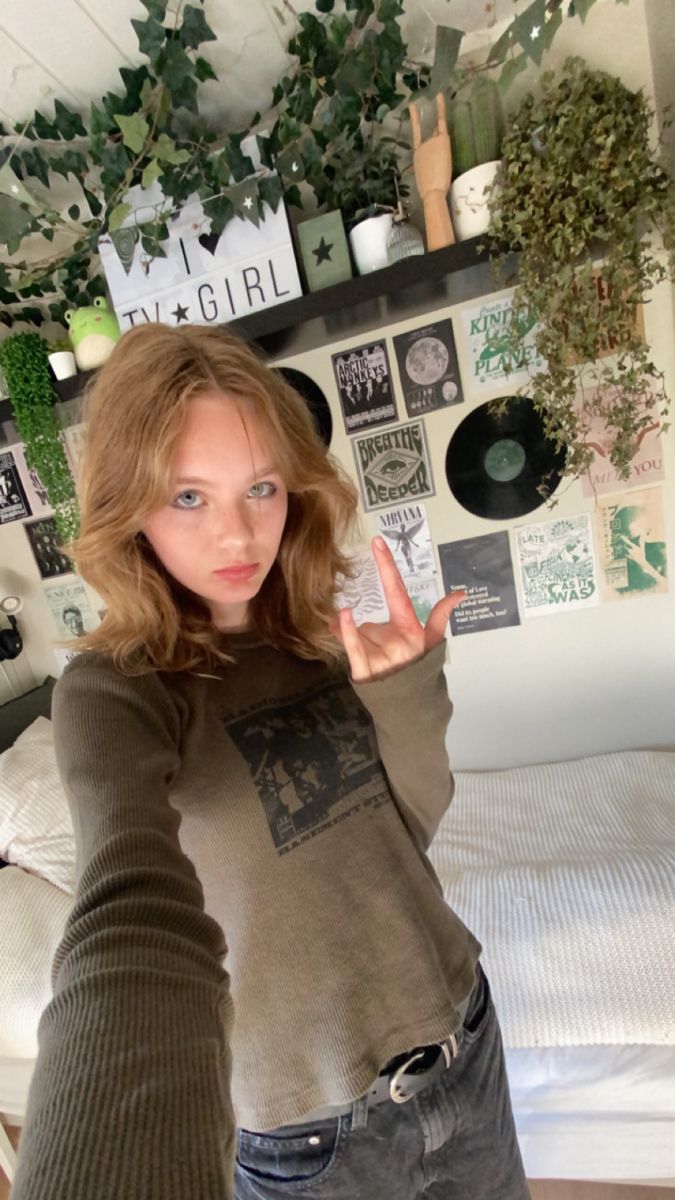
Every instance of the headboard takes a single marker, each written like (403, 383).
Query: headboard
(17, 715)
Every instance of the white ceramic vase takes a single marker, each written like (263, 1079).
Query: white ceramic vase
(469, 195)
(63, 363)
(368, 241)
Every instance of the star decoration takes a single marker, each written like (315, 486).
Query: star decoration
(294, 166)
(248, 202)
(180, 313)
(534, 32)
(322, 251)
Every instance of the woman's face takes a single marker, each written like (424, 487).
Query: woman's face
(228, 508)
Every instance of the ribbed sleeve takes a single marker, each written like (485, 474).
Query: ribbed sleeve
(411, 711)
(131, 1092)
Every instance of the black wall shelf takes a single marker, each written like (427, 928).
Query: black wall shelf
(269, 326)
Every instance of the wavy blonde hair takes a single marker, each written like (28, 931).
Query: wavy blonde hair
(134, 412)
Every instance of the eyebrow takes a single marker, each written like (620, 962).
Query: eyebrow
(270, 469)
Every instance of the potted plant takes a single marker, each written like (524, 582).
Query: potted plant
(476, 127)
(23, 359)
(579, 183)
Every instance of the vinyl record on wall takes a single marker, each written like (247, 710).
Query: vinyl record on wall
(494, 465)
(314, 398)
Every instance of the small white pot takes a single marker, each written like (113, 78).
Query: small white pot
(62, 363)
(469, 196)
(368, 241)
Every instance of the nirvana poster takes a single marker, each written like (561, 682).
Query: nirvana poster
(393, 467)
(364, 386)
(482, 567)
(406, 531)
(427, 364)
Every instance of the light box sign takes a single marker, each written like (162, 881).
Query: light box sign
(203, 279)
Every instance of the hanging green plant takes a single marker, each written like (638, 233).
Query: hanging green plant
(23, 360)
(580, 188)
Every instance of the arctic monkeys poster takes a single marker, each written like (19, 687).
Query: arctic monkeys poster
(364, 386)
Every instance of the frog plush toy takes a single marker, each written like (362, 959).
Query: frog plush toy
(93, 333)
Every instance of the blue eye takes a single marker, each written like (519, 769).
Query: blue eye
(266, 495)
(182, 495)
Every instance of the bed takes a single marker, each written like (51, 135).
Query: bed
(565, 873)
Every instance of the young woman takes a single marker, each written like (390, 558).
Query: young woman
(243, 763)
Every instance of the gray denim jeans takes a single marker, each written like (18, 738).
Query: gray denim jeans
(453, 1140)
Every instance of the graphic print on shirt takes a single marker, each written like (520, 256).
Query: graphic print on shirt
(314, 761)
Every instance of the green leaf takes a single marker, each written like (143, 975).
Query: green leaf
(194, 29)
(270, 191)
(135, 131)
(178, 76)
(100, 121)
(166, 151)
(14, 220)
(44, 129)
(71, 162)
(118, 215)
(68, 123)
(512, 67)
(151, 37)
(151, 173)
(582, 7)
(204, 70)
(93, 202)
(35, 164)
(156, 8)
(74, 212)
(325, 6)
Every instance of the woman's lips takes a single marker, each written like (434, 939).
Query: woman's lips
(239, 572)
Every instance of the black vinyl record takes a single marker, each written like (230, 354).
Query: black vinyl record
(314, 398)
(494, 465)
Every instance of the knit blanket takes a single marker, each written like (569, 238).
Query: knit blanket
(566, 874)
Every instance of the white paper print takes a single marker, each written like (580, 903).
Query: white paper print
(557, 565)
(70, 609)
(487, 333)
(14, 504)
(364, 594)
(631, 539)
(406, 532)
(424, 595)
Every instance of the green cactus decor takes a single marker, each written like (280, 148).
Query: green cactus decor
(476, 125)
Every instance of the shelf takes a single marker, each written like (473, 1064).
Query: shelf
(268, 326)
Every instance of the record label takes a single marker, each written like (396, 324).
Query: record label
(495, 465)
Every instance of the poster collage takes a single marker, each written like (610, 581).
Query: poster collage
(23, 498)
(555, 565)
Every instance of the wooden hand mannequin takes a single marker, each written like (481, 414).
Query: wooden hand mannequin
(433, 174)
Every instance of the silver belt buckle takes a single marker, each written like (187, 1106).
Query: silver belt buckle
(450, 1050)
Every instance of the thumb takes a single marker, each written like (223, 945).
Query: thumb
(436, 627)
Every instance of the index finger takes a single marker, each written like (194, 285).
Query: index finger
(396, 594)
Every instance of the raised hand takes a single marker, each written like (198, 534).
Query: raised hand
(375, 650)
(432, 160)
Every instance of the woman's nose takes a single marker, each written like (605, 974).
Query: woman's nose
(235, 525)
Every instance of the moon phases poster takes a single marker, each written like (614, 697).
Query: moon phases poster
(427, 364)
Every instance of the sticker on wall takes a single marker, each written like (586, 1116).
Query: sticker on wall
(557, 565)
(482, 567)
(363, 380)
(44, 540)
(646, 466)
(393, 467)
(364, 593)
(427, 364)
(631, 541)
(406, 530)
(488, 330)
(424, 595)
(14, 504)
(70, 609)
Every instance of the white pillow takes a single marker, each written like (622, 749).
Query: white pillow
(34, 914)
(36, 832)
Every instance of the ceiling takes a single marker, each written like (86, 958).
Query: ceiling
(72, 49)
